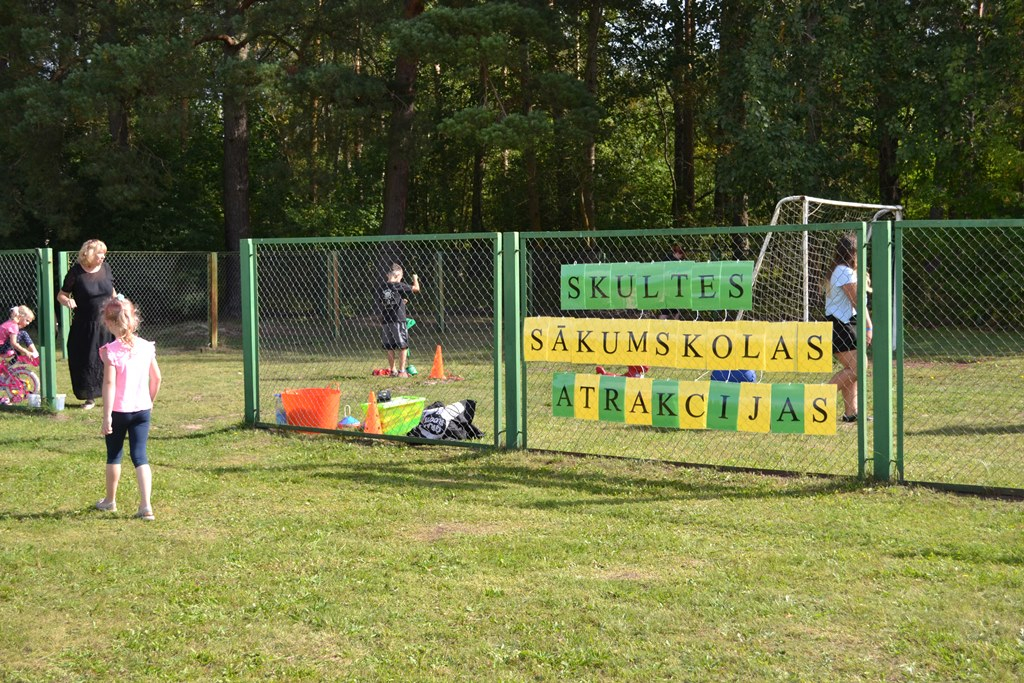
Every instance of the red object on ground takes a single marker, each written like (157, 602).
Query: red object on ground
(631, 371)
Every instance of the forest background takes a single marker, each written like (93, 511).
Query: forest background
(187, 125)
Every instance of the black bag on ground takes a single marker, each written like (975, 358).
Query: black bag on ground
(453, 422)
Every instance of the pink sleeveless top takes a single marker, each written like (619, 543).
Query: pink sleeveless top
(131, 391)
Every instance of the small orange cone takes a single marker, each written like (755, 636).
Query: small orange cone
(372, 425)
(437, 371)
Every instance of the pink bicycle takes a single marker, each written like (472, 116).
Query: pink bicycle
(17, 380)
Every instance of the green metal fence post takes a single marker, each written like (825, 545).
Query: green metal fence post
(881, 348)
(250, 332)
(44, 304)
(65, 314)
(862, 352)
(897, 299)
(499, 326)
(512, 341)
(213, 304)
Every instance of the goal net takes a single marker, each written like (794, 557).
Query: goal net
(790, 265)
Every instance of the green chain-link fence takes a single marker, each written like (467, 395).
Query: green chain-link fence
(777, 297)
(962, 349)
(187, 300)
(318, 318)
(20, 285)
(27, 280)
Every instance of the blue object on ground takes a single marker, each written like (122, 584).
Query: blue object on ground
(733, 376)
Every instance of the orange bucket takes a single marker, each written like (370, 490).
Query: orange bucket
(312, 407)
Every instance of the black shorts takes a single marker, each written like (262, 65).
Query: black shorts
(844, 335)
(394, 336)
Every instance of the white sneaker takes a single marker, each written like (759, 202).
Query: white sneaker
(89, 405)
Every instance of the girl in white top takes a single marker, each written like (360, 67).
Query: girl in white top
(841, 309)
(131, 380)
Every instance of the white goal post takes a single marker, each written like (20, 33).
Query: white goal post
(787, 257)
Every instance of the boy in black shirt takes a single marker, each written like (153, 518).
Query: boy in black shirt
(394, 331)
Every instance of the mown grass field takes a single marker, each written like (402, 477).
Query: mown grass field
(292, 557)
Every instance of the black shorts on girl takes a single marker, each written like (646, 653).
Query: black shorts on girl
(844, 335)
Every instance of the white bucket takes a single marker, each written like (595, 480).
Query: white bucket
(58, 401)
(35, 401)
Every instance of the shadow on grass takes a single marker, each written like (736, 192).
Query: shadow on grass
(961, 430)
(200, 433)
(89, 512)
(483, 474)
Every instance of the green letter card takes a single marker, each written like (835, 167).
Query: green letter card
(665, 404)
(737, 285)
(724, 406)
(788, 408)
(572, 287)
(611, 398)
(678, 287)
(706, 286)
(562, 391)
(650, 286)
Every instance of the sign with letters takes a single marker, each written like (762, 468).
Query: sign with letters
(670, 404)
(698, 286)
(730, 345)
(700, 345)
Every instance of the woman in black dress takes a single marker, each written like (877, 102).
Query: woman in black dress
(87, 285)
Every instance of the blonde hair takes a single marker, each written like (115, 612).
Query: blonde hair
(22, 312)
(122, 319)
(87, 254)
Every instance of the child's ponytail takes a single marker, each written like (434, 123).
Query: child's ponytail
(121, 318)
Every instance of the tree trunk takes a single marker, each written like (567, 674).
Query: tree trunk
(117, 123)
(530, 152)
(236, 158)
(730, 200)
(683, 106)
(588, 210)
(396, 172)
(888, 173)
(476, 218)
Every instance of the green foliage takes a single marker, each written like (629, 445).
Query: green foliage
(111, 112)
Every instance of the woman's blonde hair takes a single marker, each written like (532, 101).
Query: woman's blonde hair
(22, 312)
(87, 254)
(121, 318)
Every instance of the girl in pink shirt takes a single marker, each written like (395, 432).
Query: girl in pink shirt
(131, 380)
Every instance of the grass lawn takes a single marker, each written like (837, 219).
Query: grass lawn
(310, 558)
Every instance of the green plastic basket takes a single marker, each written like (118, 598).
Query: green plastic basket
(399, 415)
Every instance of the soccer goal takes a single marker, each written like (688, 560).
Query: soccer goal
(787, 258)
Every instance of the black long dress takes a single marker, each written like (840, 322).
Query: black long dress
(88, 333)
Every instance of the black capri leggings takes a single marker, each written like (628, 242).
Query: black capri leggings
(136, 427)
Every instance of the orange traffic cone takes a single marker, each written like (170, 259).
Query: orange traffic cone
(372, 425)
(437, 371)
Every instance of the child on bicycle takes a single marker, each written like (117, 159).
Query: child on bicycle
(131, 380)
(15, 340)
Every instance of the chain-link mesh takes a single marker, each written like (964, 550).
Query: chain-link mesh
(320, 320)
(229, 301)
(963, 326)
(173, 294)
(19, 287)
(791, 264)
(545, 256)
